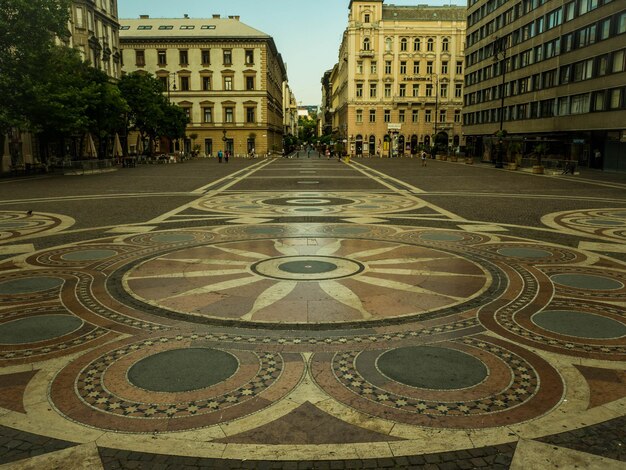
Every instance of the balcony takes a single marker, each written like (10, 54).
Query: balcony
(365, 53)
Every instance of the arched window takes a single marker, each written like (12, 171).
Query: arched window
(445, 45)
(430, 45)
(417, 44)
(366, 44)
(403, 44)
(388, 43)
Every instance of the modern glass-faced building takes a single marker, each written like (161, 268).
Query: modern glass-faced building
(548, 72)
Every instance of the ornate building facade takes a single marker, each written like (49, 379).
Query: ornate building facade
(551, 74)
(227, 76)
(399, 78)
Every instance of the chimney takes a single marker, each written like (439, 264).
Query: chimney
(237, 17)
(144, 17)
(216, 16)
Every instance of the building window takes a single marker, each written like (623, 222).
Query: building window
(618, 61)
(442, 115)
(403, 44)
(188, 114)
(443, 90)
(458, 90)
(162, 58)
(387, 90)
(228, 83)
(428, 116)
(445, 45)
(416, 67)
(250, 115)
(184, 57)
(580, 104)
(615, 101)
(208, 114)
(372, 115)
(359, 115)
(457, 116)
(444, 68)
(80, 22)
(359, 90)
(415, 115)
(372, 90)
(387, 115)
(416, 90)
(140, 58)
(402, 90)
(373, 67)
(250, 83)
(249, 57)
(184, 83)
(430, 45)
(621, 24)
(429, 89)
(206, 83)
(366, 44)
(403, 67)
(429, 67)
(417, 45)
(359, 67)
(206, 57)
(401, 115)
(229, 115)
(228, 57)
(459, 67)
(208, 147)
(366, 18)
(387, 67)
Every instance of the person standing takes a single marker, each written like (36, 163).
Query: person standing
(220, 155)
(423, 156)
(226, 155)
(597, 157)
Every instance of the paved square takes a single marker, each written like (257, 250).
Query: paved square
(282, 311)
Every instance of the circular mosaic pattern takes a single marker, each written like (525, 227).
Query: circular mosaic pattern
(306, 281)
(432, 367)
(524, 252)
(14, 224)
(182, 370)
(38, 328)
(608, 224)
(579, 324)
(307, 268)
(294, 203)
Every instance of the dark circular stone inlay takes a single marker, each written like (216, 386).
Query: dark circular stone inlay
(29, 285)
(183, 370)
(307, 267)
(38, 328)
(587, 281)
(579, 324)
(432, 367)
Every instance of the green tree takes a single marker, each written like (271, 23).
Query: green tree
(174, 122)
(27, 33)
(307, 130)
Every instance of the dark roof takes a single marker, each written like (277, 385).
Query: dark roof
(424, 13)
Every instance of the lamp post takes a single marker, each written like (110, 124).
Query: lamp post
(171, 84)
(435, 77)
(500, 54)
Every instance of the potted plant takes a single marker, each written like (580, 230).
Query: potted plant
(515, 152)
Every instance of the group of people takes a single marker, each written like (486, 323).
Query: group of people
(223, 156)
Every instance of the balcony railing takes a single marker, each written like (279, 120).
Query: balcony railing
(365, 53)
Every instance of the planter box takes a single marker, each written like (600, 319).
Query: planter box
(469, 161)
(538, 170)
(454, 159)
(511, 166)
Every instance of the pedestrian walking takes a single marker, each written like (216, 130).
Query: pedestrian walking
(423, 156)
(220, 155)
(226, 155)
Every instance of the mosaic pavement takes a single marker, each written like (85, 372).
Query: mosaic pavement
(388, 337)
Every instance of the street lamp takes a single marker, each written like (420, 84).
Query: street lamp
(500, 54)
(435, 77)
(171, 84)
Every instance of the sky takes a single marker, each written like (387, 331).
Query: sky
(307, 33)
